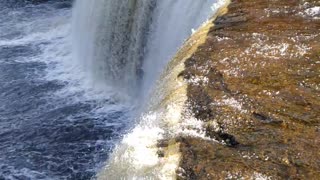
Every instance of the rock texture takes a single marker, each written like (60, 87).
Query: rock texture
(255, 86)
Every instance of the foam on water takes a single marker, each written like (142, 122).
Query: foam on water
(54, 124)
(137, 156)
(63, 106)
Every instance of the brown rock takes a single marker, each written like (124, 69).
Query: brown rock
(262, 60)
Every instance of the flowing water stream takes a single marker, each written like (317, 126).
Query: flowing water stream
(74, 81)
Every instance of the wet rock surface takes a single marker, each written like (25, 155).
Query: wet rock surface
(255, 85)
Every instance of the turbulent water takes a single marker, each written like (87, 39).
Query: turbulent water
(52, 125)
(127, 45)
(70, 78)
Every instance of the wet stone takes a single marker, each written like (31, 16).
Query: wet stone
(261, 59)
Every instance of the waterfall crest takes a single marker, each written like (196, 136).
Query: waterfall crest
(127, 44)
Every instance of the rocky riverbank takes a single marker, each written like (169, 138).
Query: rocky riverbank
(254, 84)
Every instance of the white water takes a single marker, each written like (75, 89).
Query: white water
(174, 21)
(118, 42)
(110, 37)
(43, 94)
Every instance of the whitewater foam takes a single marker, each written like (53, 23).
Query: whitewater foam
(54, 123)
(138, 156)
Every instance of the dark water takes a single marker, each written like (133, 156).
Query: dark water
(50, 126)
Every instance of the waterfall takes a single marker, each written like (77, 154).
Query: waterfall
(126, 44)
(173, 23)
(110, 38)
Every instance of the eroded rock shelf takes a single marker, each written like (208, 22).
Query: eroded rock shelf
(255, 85)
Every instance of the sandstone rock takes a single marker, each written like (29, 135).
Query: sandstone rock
(262, 62)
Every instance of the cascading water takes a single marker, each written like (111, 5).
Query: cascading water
(53, 125)
(127, 44)
(110, 38)
(173, 23)
(64, 72)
